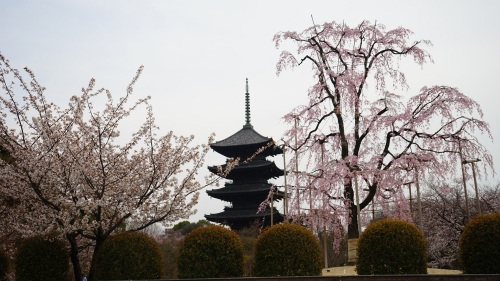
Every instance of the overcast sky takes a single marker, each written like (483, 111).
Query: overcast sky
(197, 55)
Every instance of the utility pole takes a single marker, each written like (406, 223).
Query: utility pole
(272, 206)
(473, 162)
(463, 180)
(285, 201)
(411, 199)
(419, 202)
(297, 169)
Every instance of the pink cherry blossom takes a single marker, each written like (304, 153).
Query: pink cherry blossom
(72, 172)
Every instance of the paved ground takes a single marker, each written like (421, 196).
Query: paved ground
(349, 270)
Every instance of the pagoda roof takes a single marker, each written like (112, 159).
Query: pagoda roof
(266, 169)
(236, 190)
(246, 136)
(246, 142)
(239, 219)
(230, 214)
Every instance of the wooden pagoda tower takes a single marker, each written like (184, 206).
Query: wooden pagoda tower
(247, 186)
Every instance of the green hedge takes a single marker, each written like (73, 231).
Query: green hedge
(128, 255)
(479, 245)
(287, 250)
(42, 259)
(391, 247)
(211, 252)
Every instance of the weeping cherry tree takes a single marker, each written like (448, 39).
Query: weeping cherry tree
(357, 130)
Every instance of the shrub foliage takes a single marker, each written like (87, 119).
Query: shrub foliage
(391, 247)
(248, 255)
(170, 250)
(287, 250)
(248, 237)
(42, 259)
(4, 266)
(211, 252)
(184, 227)
(128, 255)
(479, 245)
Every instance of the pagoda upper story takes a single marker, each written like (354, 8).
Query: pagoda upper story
(248, 186)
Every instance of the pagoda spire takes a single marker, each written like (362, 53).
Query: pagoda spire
(247, 107)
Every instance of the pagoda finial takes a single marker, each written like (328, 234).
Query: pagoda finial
(247, 107)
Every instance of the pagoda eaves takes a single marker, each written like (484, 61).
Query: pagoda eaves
(231, 191)
(257, 169)
(246, 141)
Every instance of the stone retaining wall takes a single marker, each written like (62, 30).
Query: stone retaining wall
(460, 277)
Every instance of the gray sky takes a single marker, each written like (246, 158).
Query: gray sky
(197, 55)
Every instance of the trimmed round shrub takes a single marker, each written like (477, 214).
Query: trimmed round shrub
(4, 266)
(128, 255)
(211, 252)
(391, 247)
(42, 259)
(479, 245)
(287, 250)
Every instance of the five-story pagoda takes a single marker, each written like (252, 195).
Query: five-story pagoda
(247, 186)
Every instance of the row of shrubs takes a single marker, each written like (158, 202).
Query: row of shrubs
(398, 247)
(385, 247)
(211, 251)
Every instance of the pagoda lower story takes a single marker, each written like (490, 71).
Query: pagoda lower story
(244, 211)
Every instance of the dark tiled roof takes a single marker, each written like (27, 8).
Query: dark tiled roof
(239, 219)
(263, 168)
(244, 190)
(245, 136)
(245, 143)
(252, 165)
(238, 214)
